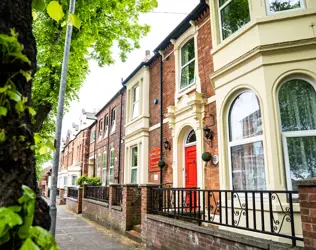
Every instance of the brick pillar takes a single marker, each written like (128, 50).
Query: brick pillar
(61, 198)
(307, 199)
(84, 188)
(128, 209)
(80, 197)
(146, 203)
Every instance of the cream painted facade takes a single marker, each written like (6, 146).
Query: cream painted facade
(262, 55)
(137, 127)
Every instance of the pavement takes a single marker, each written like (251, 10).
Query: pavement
(73, 232)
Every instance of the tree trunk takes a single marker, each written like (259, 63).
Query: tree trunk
(17, 162)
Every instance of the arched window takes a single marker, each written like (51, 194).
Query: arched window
(246, 143)
(297, 103)
(191, 138)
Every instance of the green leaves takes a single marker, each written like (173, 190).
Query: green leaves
(75, 21)
(16, 225)
(14, 95)
(55, 11)
(2, 135)
(38, 4)
(3, 111)
(29, 245)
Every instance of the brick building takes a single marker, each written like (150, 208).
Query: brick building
(73, 160)
(106, 153)
(173, 89)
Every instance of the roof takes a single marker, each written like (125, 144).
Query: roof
(116, 95)
(175, 34)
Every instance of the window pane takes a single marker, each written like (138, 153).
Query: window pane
(248, 170)
(245, 117)
(187, 75)
(187, 52)
(134, 176)
(135, 110)
(221, 2)
(136, 94)
(281, 5)
(134, 157)
(112, 159)
(302, 157)
(191, 137)
(297, 99)
(234, 16)
(103, 175)
(111, 175)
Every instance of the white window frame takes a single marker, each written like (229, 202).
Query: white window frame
(220, 17)
(269, 12)
(134, 167)
(106, 127)
(290, 134)
(104, 166)
(93, 135)
(241, 142)
(135, 103)
(188, 63)
(111, 180)
(113, 121)
(99, 162)
(100, 129)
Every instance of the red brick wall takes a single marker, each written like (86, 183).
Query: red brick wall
(307, 198)
(105, 144)
(154, 92)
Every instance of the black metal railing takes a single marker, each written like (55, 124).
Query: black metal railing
(98, 193)
(72, 192)
(118, 196)
(57, 192)
(267, 212)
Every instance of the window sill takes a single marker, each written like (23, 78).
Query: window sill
(187, 90)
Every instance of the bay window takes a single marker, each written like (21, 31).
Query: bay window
(135, 99)
(233, 14)
(134, 165)
(274, 6)
(246, 144)
(297, 103)
(187, 64)
(111, 170)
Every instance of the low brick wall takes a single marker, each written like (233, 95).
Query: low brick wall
(160, 232)
(103, 215)
(72, 205)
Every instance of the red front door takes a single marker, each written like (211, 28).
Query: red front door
(190, 177)
(190, 167)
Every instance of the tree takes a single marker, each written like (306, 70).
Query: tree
(103, 23)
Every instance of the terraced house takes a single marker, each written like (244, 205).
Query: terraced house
(217, 126)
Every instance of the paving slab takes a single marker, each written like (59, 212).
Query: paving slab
(73, 232)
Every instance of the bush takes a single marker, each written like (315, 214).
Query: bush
(93, 181)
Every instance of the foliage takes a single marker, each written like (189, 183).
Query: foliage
(16, 228)
(11, 99)
(103, 25)
(93, 181)
(281, 6)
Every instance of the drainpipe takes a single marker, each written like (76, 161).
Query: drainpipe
(120, 138)
(161, 117)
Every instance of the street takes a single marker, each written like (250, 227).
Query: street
(77, 233)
